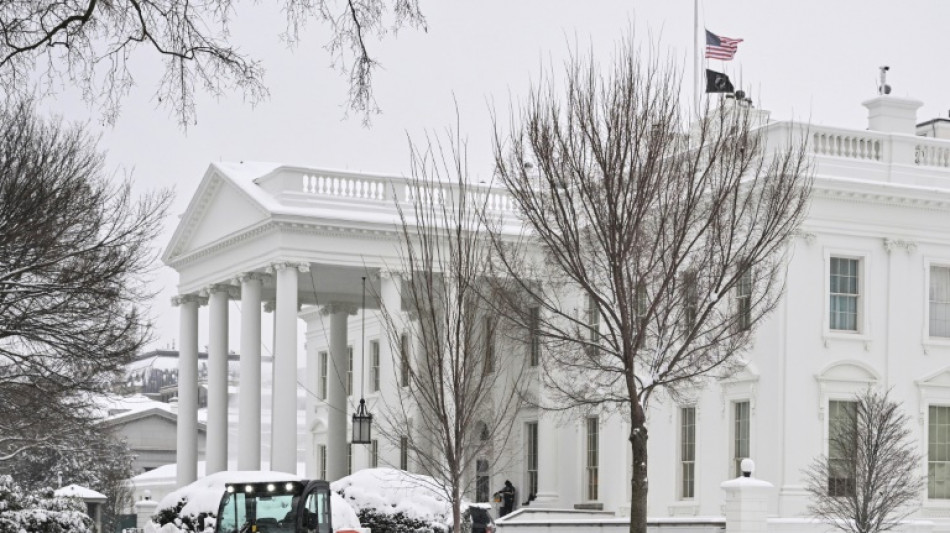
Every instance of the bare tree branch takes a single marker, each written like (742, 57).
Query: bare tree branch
(870, 480)
(459, 404)
(652, 247)
(88, 44)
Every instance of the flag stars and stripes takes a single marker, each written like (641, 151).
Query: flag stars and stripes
(722, 48)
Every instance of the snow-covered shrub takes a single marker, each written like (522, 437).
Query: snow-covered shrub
(39, 512)
(387, 499)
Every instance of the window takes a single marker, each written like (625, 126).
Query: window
(482, 480)
(531, 463)
(349, 371)
(404, 453)
(324, 361)
(740, 439)
(374, 454)
(593, 438)
(374, 359)
(534, 340)
(841, 429)
(593, 319)
(938, 453)
(489, 332)
(744, 301)
(643, 301)
(323, 461)
(404, 361)
(843, 307)
(349, 458)
(687, 452)
(939, 301)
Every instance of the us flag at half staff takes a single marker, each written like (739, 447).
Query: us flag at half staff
(723, 48)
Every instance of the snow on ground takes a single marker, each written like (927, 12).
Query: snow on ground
(391, 491)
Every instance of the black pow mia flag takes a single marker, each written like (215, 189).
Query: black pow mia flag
(717, 82)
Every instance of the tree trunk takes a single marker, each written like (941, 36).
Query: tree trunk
(456, 507)
(638, 483)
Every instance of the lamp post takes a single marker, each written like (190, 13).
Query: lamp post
(362, 419)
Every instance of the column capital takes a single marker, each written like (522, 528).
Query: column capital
(231, 290)
(281, 265)
(189, 298)
(240, 278)
(339, 307)
(394, 275)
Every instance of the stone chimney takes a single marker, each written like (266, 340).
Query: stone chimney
(890, 114)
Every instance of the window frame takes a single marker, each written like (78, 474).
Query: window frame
(681, 460)
(404, 453)
(735, 457)
(324, 362)
(534, 336)
(591, 459)
(929, 264)
(374, 357)
(849, 489)
(864, 300)
(531, 461)
(405, 363)
(349, 371)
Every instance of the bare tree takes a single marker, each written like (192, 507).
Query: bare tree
(459, 392)
(653, 247)
(89, 43)
(870, 480)
(73, 252)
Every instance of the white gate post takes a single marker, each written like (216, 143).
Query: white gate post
(747, 501)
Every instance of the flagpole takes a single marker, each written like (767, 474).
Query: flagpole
(696, 55)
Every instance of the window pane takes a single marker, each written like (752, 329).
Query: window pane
(593, 459)
(939, 301)
(844, 294)
(741, 435)
(687, 450)
(531, 442)
(938, 452)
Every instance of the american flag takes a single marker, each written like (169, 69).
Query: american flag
(723, 48)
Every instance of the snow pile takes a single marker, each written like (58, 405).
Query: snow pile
(343, 516)
(387, 491)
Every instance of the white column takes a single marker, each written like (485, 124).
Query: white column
(548, 462)
(312, 317)
(216, 450)
(284, 412)
(337, 429)
(187, 443)
(249, 399)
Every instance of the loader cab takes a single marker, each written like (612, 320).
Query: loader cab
(275, 507)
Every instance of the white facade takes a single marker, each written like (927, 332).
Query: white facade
(880, 215)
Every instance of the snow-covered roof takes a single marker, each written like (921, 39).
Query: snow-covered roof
(77, 491)
(116, 406)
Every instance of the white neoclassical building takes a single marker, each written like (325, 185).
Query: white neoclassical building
(867, 304)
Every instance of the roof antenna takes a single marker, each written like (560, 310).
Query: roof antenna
(884, 88)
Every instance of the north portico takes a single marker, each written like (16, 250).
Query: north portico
(296, 242)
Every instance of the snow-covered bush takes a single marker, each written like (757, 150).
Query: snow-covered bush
(39, 512)
(387, 499)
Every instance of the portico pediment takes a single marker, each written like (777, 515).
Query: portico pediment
(221, 207)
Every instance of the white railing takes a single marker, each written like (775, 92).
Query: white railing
(932, 153)
(849, 145)
(383, 190)
(346, 186)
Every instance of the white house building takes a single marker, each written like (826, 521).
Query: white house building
(867, 304)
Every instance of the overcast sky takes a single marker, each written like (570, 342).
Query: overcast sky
(811, 60)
